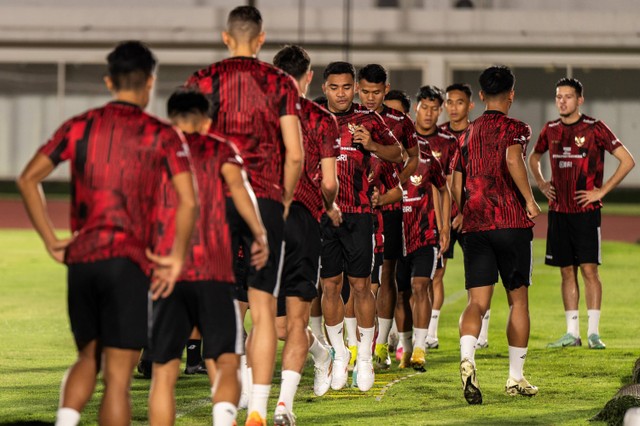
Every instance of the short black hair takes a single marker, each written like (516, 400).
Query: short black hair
(293, 60)
(462, 87)
(244, 21)
(571, 82)
(130, 65)
(184, 102)
(373, 73)
(339, 67)
(496, 80)
(399, 95)
(431, 93)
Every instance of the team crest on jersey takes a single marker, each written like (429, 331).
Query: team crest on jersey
(436, 154)
(579, 141)
(416, 180)
(352, 128)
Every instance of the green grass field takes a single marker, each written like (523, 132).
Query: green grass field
(36, 347)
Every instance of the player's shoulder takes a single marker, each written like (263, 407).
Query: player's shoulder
(205, 72)
(552, 124)
(446, 135)
(518, 126)
(310, 108)
(591, 121)
(394, 114)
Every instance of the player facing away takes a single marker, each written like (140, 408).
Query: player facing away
(497, 207)
(576, 145)
(349, 247)
(255, 105)
(204, 296)
(458, 104)
(316, 193)
(119, 156)
(442, 145)
(372, 88)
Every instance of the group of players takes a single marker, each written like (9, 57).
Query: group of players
(265, 189)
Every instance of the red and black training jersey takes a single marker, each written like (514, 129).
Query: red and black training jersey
(210, 257)
(353, 161)
(119, 156)
(446, 127)
(382, 174)
(443, 146)
(419, 224)
(576, 152)
(248, 97)
(321, 139)
(492, 200)
(403, 129)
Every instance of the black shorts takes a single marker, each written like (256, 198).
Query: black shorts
(268, 278)
(378, 259)
(573, 238)
(303, 245)
(349, 247)
(392, 234)
(453, 237)
(208, 305)
(504, 251)
(108, 300)
(420, 263)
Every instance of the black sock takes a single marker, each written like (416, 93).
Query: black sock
(194, 356)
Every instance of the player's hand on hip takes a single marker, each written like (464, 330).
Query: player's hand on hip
(456, 224)
(533, 209)
(166, 271)
(259, 251)
(586, 197)
(548, 191)
(335, 214)
(58, 248)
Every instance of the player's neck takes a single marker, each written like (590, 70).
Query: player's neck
(498, 105)
(426, 132)
(243, 50)
(136, 97)
(458, 126)
(572, 118)
(337, 111)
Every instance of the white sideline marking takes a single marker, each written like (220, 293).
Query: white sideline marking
(386, 387)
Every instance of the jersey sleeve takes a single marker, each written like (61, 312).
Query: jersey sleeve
(58, 148)
(176, 151)
(230, 154)
(605, 138)
(380, 133)
(289, 97)
(542, 145)
(436, 172)
(388, 175)
(520, 133)
(454, 149)
(410, 139)
(330, 134)
(200, 81)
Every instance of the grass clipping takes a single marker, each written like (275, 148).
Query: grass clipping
(614, 410)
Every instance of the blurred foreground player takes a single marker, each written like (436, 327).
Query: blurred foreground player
(119, 156)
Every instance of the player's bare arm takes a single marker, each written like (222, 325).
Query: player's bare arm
(444, 205)
(247, 206)
(167, 268)
(545, 186)
(625, 165)
(293, 159)
(29, 184)
(389, 197)
(456, 194)
(518, 172)
(330, 187)
(391, 153)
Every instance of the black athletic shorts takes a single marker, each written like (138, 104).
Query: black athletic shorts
(349, 247)
(268, 278)
(303, 245)
(208, 305)
(453, 237)
(378, 259)
(392, 234)
(573, 238)
(420, 263)
(504, 251)
(109, 300)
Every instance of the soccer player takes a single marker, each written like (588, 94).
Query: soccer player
(442, 145)
(576, 145)
(459, 104)
(349, 248)
(255, 105)
(498, 206)
(119, 155)
(204, 294)
(316, 193)
(398, 100)
(372, 88)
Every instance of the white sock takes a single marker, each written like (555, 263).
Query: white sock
(318, 351)
(365, 343)
(224, 414)
(351, 325)
(335, 333)
(516, 362)
(67, 417)
(394, 329)
(259, 399)
(420, 337)
(573, 323)
(468, 348)
(404, 338)
(289, 387)
(594, 321)
(384, 327)
(483, 337)
(316, 328)
(433, 325)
